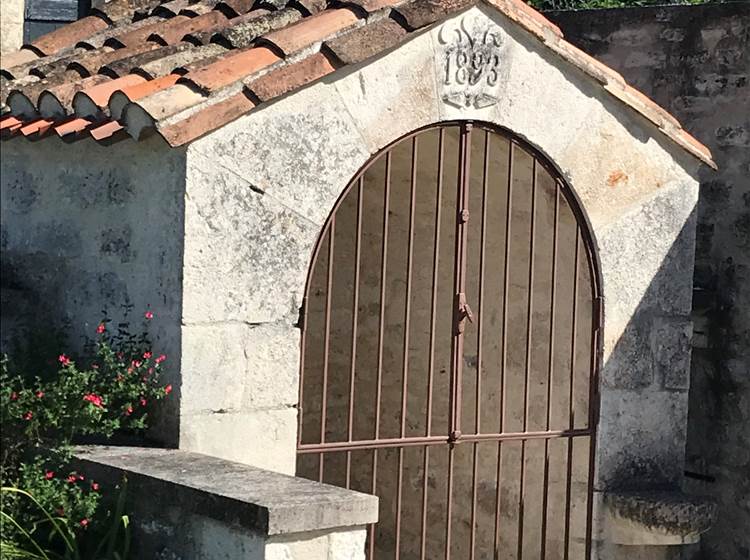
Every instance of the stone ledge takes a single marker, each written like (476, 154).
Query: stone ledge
(261, 501)
(657, 518)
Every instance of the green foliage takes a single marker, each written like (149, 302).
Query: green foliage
(49, 510)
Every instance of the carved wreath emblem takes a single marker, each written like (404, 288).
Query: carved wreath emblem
(471, 62)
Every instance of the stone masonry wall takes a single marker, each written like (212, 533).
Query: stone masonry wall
(695, 61)
(85, 231)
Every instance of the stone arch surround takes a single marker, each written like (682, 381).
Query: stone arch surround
(259, 190)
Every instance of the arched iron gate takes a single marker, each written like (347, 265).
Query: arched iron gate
(449, 350)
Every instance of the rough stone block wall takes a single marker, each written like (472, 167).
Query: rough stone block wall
(88, 230)
(695, 61)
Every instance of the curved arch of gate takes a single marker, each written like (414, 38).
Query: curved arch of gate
(450, 349)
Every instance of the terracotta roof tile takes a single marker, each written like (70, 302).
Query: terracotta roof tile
(207, 120)
(170, 9)
(643, 105)
(234, 8)
(92, 61)
(688, 142)
(310, 30)
(373, 5)
(68, 35)
(119, 99)
(419, 13)
(366, 41)
(9, 121)
(106, 130)
(179, 61)
(12, 60)
(90, 101)
(246, 29)
(72, 126)
(100, 39)
(177, 28)
(313, 6)
(36, 127)
(140, 34)
(57, 63)
(290, 77)
(195, 9)
(117, 11)
(127, 64)
(232, 67)
(57, 101)
(528, 17)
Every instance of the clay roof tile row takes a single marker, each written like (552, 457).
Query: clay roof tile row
(183, 68)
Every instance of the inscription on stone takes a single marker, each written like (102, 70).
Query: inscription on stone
(471, 62)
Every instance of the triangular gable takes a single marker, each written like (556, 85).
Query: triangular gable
(186, 68)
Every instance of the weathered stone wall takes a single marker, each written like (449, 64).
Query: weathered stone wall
(11, 25)
(695, 61)
(88, 230)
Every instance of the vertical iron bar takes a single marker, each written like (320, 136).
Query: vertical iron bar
(302, 345)
(550, 368)
(431, 358)
(571, 406)
(326, 344)
(459, 285)
(407, 321)
(381, 331)
(527, 372)
(596, 317)
(504, 341)
(480, 310)
(355, 317)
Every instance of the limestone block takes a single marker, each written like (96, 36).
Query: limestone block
(246, 253)
(617, 161)
(262, 438)
(647, 257)
(235, 366)
(11, 25)
(343, 544)
(641, 438)
(303, 150)
(393, 95)
(670, 339)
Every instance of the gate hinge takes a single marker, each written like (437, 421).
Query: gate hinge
(454, 436)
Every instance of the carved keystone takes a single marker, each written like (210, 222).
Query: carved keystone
(471, 59)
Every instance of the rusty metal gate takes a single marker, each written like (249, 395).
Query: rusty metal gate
(449, 350)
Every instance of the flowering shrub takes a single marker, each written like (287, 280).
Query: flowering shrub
(111, 391)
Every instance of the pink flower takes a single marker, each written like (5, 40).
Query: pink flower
(81, 477)
(96, 400)
(160, 359)
(71, 478)
(49, 475)
(167, 389)
(143, 401)
(95, 486)
(94, 366)
(136, 363)
(129, 411)
(63, 359)
(147, 355)
(148, 315)
(28, 416)
(84, 523)
(39, 394)
(101, 328)
(14, 396)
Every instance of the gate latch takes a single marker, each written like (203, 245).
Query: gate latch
(464, 312)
